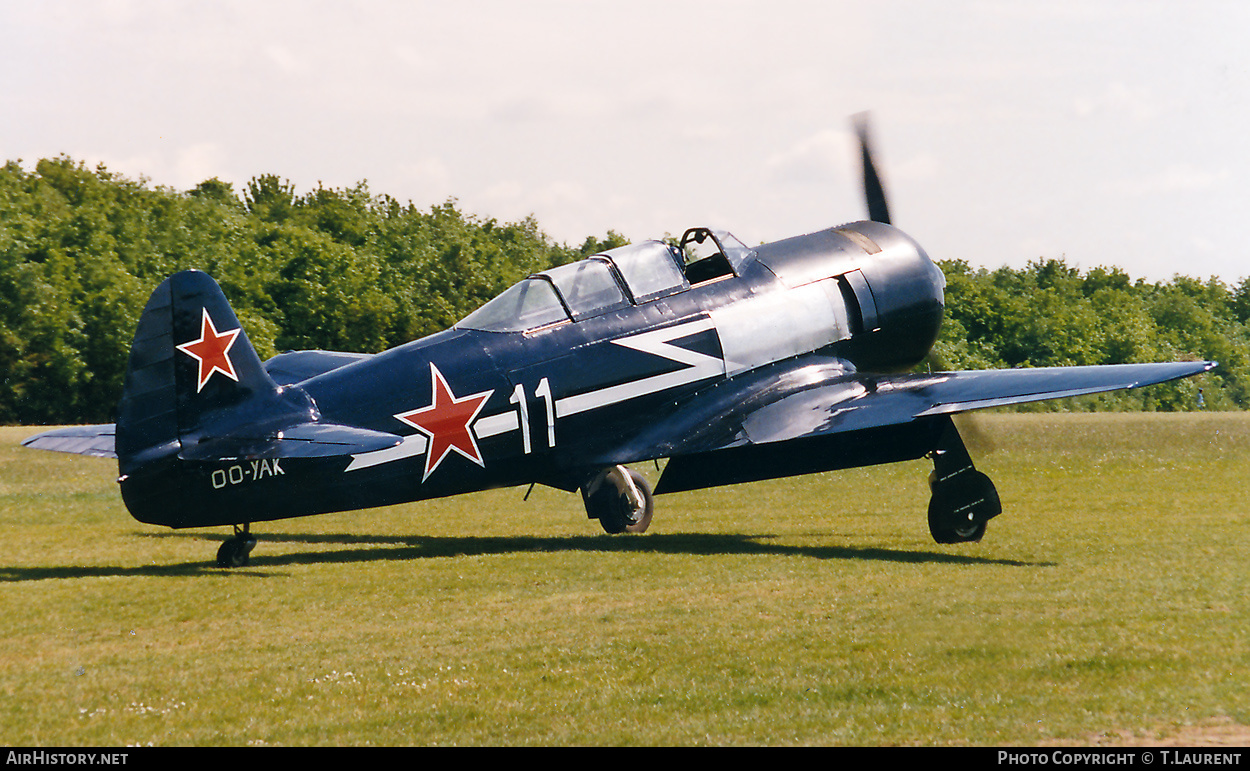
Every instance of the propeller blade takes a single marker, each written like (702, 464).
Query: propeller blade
(975, 436)
(874, 193)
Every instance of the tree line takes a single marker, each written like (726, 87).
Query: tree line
(1050, 314)
(347, 269)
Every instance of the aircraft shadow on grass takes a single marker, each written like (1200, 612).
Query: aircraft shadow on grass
(379, 548)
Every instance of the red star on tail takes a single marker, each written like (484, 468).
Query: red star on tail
(212, 351)
(446, 422)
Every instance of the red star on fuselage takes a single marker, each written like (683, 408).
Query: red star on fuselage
(447, 423)
(212, 351)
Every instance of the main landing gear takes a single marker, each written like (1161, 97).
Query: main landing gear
(234, 551)
(620, 499)
(964, 499)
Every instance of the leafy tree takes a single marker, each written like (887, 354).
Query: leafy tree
(216, 190)
(269, 198)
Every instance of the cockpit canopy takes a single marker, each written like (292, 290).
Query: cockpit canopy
(618, 278)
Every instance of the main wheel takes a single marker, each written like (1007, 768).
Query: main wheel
(945, 530)
(961, 506)
(617, 508)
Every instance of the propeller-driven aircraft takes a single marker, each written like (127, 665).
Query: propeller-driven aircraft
(734, 363)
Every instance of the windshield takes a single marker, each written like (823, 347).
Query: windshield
(735, 251)
(585, 288)
(528, 304)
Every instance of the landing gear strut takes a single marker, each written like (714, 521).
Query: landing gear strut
(620, 499)
(963, 499)
(234, 551)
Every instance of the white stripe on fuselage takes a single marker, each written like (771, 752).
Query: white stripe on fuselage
(700, 366)
(413, 444)
(493, 425)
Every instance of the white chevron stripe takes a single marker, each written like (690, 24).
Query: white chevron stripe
(701, 366)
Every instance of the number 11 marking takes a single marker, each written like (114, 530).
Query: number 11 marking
(543, 391)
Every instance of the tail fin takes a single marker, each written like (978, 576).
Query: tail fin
(197, 402)
(190, 363)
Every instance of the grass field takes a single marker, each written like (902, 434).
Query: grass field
(1108, 604)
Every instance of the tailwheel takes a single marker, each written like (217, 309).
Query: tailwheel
(620, 499)
(234, 551)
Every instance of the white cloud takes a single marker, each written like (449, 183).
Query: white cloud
(1137, 103)
(1175, 178)
(814, 159)
(427, 179)
(196, 163)
(286, 60)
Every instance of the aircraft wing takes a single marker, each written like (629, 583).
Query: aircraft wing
(814, 414)
(955, 392)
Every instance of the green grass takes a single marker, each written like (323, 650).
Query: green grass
(1109, 599)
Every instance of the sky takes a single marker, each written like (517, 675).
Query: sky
(1109, 133)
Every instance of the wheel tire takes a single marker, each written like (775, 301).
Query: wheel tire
(945, 531)
(960, 508)
(610, 504)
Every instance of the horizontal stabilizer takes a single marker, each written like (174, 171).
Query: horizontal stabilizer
(80, 440)
(305, 440)
(308, 440)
